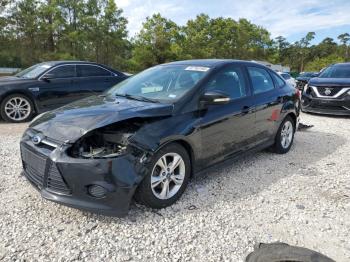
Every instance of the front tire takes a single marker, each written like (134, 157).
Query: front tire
(169, 173)
(285, 136)
(17, 108)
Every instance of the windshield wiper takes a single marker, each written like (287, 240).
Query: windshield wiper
(138, 98)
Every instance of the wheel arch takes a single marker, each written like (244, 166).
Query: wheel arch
(294, 118)
(187, 146)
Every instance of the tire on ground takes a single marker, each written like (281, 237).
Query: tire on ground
(278, 252)
(144, 194)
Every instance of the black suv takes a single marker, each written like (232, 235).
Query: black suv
(146, 136)
(49, 85)
(329, 93)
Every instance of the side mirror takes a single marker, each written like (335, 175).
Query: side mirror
(214, 98)
(47, 77)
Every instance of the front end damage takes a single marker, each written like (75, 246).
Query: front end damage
(99, 172)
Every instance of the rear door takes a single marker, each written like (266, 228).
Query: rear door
(59, 89)
(268, 102)
(95, 79)
(227, 129)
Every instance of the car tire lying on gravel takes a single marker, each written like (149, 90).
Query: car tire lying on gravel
(278, 252)
(170, 170)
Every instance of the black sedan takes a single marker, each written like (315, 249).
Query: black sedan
(149, 134)
(329, 93)
(49, 85)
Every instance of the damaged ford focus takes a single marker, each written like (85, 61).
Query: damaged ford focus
(145, 137)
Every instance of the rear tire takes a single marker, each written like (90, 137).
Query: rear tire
(285, 136)
(17, 108)
(165, 183)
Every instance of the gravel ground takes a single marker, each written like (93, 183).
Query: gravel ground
(301, 198)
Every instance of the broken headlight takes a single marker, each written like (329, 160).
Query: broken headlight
(104, 143)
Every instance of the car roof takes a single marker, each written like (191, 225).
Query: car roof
(211, 62)
(53, 63)
(64, 62)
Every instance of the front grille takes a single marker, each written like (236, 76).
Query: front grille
(328, 91)
(35, 169)
(55, 181)
(34, 166)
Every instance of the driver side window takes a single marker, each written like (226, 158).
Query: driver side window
(229, 81)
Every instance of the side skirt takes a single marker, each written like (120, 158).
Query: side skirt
(229, 160)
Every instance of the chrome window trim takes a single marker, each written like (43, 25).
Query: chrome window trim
(76, 64)
(341, 92)
(113, 74)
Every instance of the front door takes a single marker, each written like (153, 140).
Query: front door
(227, 129)
(57, 87)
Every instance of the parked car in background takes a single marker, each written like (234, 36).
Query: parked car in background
(289, 79)
(304, 78)
(49, 85)
(329, 93)
(146, 136)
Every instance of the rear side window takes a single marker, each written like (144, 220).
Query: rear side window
(230, 81)
(261, 80)
(88, 70)
(63, 72)
(279, 81)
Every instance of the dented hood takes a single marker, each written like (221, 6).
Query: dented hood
(69, 123)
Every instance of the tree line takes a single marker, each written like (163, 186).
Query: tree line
(32, 31)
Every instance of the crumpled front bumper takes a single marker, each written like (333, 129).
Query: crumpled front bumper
(65, 180)
(328, 106)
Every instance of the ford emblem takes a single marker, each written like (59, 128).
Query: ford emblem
(37, 139)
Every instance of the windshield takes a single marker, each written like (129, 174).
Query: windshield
(336, 71)
(33, 71)
(167, 83)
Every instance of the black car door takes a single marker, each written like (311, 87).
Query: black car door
(268, 103)
(95, 79)
(227, 129)
(56, 87)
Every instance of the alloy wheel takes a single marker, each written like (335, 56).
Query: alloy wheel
(287, 134)
(168, 175)
(17, 108)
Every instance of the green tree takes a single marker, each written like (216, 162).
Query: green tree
(344, 39)
(156, 43)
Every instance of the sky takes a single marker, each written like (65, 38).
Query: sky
(291, 19)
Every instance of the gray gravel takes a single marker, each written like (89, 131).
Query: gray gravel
(302, 198)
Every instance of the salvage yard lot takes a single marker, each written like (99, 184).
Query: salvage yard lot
(301, 198)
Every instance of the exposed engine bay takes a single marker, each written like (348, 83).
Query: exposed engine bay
(107, 142)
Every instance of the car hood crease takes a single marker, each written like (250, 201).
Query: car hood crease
(69, 123)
